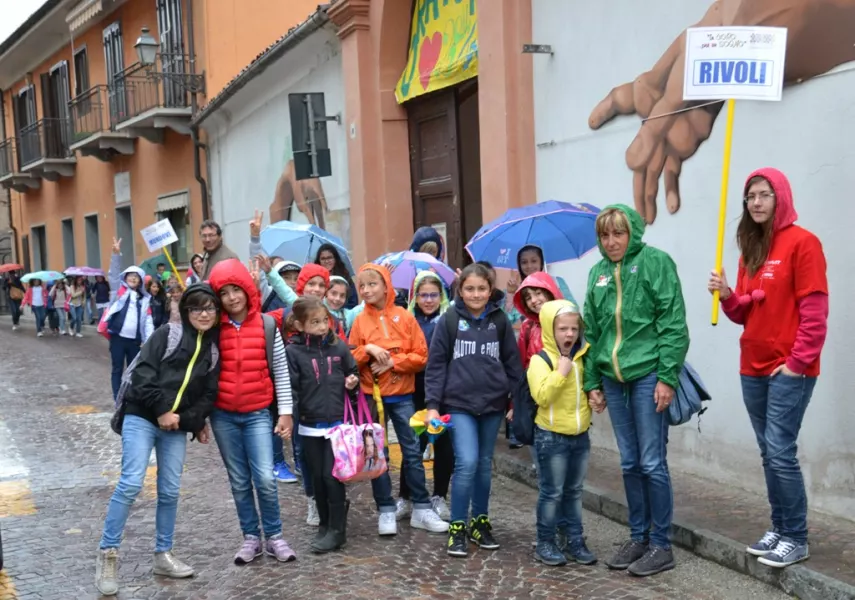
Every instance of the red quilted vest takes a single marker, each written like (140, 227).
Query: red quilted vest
(245, 383)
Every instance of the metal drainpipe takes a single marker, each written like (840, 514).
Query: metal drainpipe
(194, 129)
(8, 193)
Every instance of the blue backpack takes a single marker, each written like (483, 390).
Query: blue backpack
(525, 408)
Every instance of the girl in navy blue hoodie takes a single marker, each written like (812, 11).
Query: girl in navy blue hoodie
(472, 367)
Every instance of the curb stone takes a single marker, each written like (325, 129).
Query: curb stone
(798, 580)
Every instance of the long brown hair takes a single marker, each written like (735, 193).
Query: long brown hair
(754, 239)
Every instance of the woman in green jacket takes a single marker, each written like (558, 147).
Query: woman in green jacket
(635, 321)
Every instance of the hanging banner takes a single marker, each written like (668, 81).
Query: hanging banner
(443, 47)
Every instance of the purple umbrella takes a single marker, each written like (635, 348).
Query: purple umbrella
(405, 265)
(84, 272)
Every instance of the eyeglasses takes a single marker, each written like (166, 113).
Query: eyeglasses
(762, 196)
(209, 236)
(429, 296)
(211, 310)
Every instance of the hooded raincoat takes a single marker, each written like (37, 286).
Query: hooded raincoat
(635, 317)
(428, 234)
(514, 313)
(563, 404)
(784, 305)
(395, 330)
(529, 341)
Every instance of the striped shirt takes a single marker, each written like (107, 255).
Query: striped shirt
(281, 377)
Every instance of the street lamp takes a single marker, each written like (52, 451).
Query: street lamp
(146, 48)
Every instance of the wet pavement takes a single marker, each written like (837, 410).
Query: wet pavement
(59, 461)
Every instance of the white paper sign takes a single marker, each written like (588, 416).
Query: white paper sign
(734, 63)
(159, 235)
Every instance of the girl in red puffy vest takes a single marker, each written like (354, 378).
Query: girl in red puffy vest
(242, 420)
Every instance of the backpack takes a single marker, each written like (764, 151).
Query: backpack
(172, 342)
(525, 408)
(452, 323)
(269, 342)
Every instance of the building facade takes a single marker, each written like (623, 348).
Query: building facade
(584, 156)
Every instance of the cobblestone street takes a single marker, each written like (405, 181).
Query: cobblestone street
(59, 461)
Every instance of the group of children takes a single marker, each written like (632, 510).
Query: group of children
(62, 303)
(285, 353)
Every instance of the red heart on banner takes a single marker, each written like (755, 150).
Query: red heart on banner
(428, 57)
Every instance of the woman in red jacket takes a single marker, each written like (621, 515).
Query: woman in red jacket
(781, 299)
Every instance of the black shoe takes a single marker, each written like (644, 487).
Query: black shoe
(457, 544)
(627, 554)
(323, 522)
(514, 445)
(654, 561)
(336, 534)
(480, 533)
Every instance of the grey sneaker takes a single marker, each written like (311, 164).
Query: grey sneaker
(279, 549)
(313, 518)
(440, 507)
(403, 508)
(765, 545)
(654, 561)
(107, 572)
(249, 550)
(627, 554)
(167, 565)
(787, 552)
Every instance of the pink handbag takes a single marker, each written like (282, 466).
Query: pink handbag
(358, 447)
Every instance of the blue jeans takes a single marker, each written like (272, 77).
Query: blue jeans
(776, 406)
(39, 312)
(138, 438)
(246, 446)
(642, 438)
(60, 315)
(563, 461)
(474, 440)
(76, 317)
(399, 413)
(122, 352)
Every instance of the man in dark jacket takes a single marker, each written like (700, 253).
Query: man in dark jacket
(215, 250)
(172, 391)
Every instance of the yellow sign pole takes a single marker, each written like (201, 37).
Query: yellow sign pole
(722, 207)
(174, 269)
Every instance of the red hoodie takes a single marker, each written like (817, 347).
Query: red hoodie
(787, 321)
(308, 271)
(530, 341)
(245, 383)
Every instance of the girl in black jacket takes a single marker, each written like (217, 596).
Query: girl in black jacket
(158, 303)
(168, 397)
(321, 368)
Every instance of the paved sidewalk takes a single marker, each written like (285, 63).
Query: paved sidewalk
(717, 522)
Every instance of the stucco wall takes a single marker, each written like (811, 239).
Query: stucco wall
(808, 136)
(250, 141)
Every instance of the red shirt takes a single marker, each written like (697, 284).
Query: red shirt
(794, 270)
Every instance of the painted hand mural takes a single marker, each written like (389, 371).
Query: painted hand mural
(821, 35)
(307, 194)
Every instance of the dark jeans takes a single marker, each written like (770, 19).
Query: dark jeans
(39, 312)
(122, 352)
(300, 455)
(399, 413)
(776, 406)
(15, 307)
(563, 463)
(328, 489)
(642, 438)
(443, 465)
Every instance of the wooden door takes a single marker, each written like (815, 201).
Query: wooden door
(435, 169)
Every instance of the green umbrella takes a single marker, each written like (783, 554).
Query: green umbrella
(149, 265)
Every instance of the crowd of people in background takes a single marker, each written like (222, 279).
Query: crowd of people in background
(264, 358)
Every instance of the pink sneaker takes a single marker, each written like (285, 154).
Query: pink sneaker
(249, 550)
(279, 549)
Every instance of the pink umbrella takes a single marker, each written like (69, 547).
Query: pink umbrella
(84, 272)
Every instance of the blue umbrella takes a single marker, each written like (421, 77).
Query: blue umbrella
(562, 230)
(300, 243)
(46, 276)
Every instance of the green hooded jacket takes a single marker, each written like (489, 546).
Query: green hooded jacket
(635, 317)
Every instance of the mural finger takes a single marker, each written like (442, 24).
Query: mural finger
(673, 167)
(618, 102)
(651, 183)
(638, 185)
(657, 126)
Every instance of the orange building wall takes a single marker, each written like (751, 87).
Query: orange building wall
(239, 30)
(155, 169)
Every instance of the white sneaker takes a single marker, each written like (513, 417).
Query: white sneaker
(440, 508)
(40, 334)
(14, 328)
(313, 519)
(427, 519)
(386, 524)
(63, 333)
(403, 508)
(80, 335)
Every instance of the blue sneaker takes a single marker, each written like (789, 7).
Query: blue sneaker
(765, 545)
(577, 551)
(283, 474)
(549, 554)
(787, 552)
